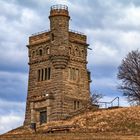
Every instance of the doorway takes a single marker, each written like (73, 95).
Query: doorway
(43, 117)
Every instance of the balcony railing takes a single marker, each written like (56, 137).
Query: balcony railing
(34, 34)
(59, 6)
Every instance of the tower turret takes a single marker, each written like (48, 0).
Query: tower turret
(59, 25)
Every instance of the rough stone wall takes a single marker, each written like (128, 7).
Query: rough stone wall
(65, 53)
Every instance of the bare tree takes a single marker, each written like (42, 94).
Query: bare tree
(129, 74)
(95, 97)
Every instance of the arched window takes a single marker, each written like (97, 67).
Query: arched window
(33, 54)
(40, 52)
(83, 53)
(48, 51)
(76, 52)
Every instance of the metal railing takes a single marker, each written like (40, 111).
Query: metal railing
(59, 6)
(34, 34)
(111, 103)
(77, 32)
(73, 31)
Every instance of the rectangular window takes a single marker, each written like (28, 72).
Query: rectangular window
(43, 117)
(73, 74)
(42, 74)
(69, 73)
(46, 73)
(77, 104)
(77, 74)
(38, 75)
(49, 73)
(74, 105)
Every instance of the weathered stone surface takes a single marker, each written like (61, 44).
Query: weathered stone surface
(64, 52)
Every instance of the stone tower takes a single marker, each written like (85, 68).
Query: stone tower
(59, 81)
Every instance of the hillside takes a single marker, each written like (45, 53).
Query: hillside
(121, 120)
(108, 124)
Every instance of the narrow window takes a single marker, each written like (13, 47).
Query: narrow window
(89, 78)
(76, 52)
(73, 74)
(33, 54)
(77, 104)
(42, 74)
(46, 73)
(74, 105)
(77, 74)
(49, 73)
(52, 37)
(69, 73)
(43, 117)
(40, 52)
(38, 75)
(83, 53)
(48, 50)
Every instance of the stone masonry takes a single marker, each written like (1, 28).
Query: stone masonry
(59, 82)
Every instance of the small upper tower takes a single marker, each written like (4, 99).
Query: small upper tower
(59, 20)
(59, 27)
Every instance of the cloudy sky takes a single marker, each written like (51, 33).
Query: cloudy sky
(112, 27)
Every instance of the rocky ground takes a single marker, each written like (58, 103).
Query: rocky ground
(120, 123)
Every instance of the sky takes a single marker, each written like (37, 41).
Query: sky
(112, 28)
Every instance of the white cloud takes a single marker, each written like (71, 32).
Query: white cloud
(11, 115)
(103, 55)
(131, 16)
(5, 7)
(113, 29)
(109, 47)
(9, 122)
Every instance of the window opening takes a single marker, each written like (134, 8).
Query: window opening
(40, 52)
(52, 36)
(38, 75)
(48, 50)
(46, 71)
(33, 54)
(42, 72)
(43, 117)
(74, 105)
(49, 73)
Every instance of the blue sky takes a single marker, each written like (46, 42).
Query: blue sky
(112, 28)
